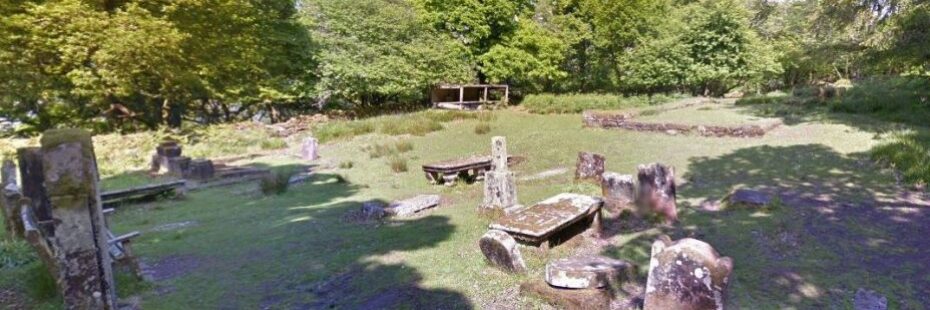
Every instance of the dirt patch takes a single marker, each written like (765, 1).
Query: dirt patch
(10, 299)
(171, 267)
(624, 121)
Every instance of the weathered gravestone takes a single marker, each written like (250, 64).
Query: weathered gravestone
(408, 207)
(500, 187)
(9, 200)
(501, 250)
(590, 166)
(60, 182)
(587, 272)
(167, 159)
(686, 274)
(537, 224)
(657, 191)
(619, 192)
(309, 149)
(200, 169)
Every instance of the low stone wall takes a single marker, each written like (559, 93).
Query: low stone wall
(625, 121)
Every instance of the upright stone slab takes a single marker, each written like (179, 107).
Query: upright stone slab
(167, 159)
(619, 191)
(686, 274)
(657, 191)
(78, 237)
(500, 187)
(309, 149)
(501, 250)
(9, 200)
(590, 166)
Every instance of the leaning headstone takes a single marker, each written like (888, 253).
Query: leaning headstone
(501, 250)
(78, 234)
(869, 300)
(686, 274)
(408, 207)
(619, 191)
(657, 191)
(309, 149)
(500, 187)
(590, 166)
(583, 272)
(746, 198)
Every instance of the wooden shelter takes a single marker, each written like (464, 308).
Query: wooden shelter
(469, 97)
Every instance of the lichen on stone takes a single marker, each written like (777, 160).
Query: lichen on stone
(55, 137)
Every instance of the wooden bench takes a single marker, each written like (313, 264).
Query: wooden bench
(470, 168)
(539, 223)
(111, 198)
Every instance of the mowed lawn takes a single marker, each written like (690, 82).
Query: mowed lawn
(234, 248)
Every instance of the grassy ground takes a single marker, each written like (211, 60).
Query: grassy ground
(234, 248)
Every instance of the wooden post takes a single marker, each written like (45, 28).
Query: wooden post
(506, 94)
(63, 183)
(485, 96)
(461, 94)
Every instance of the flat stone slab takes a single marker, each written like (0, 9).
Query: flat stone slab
(587, 272)
(462, 164)
(535, 224)
(749, 198)
(408, 207)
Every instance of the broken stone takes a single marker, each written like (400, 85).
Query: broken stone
(309, 149)
(501, 250)
(590, 166)
(686, 274)
(200, 169)
(657, 191)
(413, 205)
(373, 210)
(500, 187)
(869, 300)
(749, 198)
(537, 223)
(619, 192)
(168, 149)
(574, 299)
(587, 272)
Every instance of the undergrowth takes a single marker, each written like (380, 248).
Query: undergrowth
(909, 153)
(417, 124)
(577, 103)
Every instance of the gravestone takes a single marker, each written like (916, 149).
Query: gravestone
(309, 149)
(500, 187)
(168, 160)
(657, 191)
(200, 169)
(590, 166)
(408, 207)
(619, 192)
(586, 272)
(536, 224)
(686, 274)
(501, 250)
(60, 180)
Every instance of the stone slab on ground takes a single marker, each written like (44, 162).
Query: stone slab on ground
(749, 198)
(538, 222)
(587, 271)
(573, 299)
(408, 207)
(501, 250)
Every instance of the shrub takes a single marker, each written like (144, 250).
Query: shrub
(381, 150)
(39, 282)
(273, 144)
(909, 153)
(577, 103)
(398, 164)
(896, 99)
(276, 183)
(15, 253)
(403, 146)
(482, 128)
(346, 164)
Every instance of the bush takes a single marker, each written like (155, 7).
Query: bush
(15, 253)
(896, 99)
(346, 164)
(482, 128)
(577, 103)
(398, 164)
(909, 153)
(382, 150)
(403, 146)
(273, 144)
(276, 183)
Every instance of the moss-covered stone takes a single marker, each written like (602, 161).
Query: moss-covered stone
(55, 137)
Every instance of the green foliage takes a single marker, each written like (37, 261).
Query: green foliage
(381, 150)
(905, 100)
(482, 128)
(398, 164)
(577, 103)
(531, 56)
(909, 153)
(273, 144)
(348, 164)
(276, 183)
(15, 253)
(39, 282)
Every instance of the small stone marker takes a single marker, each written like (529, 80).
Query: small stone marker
(686, 274)
(590, 166)
(413, 205)
(619, 191)
(657, 191)
(200, 169)
(309, 149)
(500, 187)
(869, 300)
(537, 223)
(587, 272)
(501, 250)
(747, 198)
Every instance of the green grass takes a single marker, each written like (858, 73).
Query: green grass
(416, 124)
(280, 251)
(577, 103)
(909, 153)
(482, 128)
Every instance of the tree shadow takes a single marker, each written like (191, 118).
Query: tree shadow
(795, 114)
